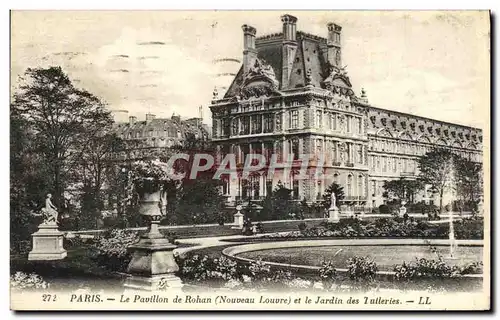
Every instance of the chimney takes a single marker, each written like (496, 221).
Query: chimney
(289, 27)
(249, 51)
(289, 47)
(334, 45)
(132, 120)
(149, 117)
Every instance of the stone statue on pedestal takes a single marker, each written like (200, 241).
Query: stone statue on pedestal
(333, 211)
(48, 240)
(333, 201)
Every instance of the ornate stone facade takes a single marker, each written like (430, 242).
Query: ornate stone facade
(314, 110)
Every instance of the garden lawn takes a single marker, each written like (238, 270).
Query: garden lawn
(386, 257)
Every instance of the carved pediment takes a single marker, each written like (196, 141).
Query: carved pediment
(338, 81)
(259, 80)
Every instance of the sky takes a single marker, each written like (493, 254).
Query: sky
(432, 64)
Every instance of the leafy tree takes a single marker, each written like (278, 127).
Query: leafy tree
(62, 117)
(403, 189)
(337, 190)
(437, 170)
(279, 204)
(28, 182)
(469, 178)
(195, 201)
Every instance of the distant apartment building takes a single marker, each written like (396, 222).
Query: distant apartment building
(154, 133)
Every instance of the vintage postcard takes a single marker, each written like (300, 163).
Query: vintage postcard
(250, 160)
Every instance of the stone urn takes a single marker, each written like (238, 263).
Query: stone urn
(153, 264)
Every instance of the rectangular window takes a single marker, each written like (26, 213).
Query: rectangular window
(234, 126)
(319, 117)
(294, 119)
(268, 123)
(349, 123)
(256, 123)
(245, 122)
(294, 148)
(225, 127)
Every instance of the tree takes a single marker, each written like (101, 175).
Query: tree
(337, 190)
(469, 179)
(28, 182)
(278, 204)
(195, 201)
(437, 170)
(62, 117)
(403, 189)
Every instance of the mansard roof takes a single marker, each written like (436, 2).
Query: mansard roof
(310, 63)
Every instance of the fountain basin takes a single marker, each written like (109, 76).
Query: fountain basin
(310, 254)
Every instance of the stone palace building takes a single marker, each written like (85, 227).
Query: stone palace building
(146, 136)
(292, 96)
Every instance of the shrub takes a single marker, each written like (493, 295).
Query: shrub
(389, 228)
(302, 226)
(384, 209)
(204, 268)
(110, 249)
(423, 269)
(328, 274)
(21, 280)
(361, 269)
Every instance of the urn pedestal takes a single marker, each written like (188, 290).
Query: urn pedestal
(238, 218)
(47, 243)
(153, 265)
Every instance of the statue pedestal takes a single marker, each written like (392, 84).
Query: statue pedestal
(402, 211)
(153, 265)
(333, 215)
(47, 243)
